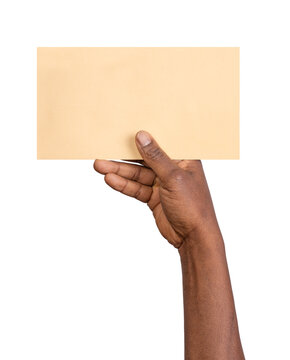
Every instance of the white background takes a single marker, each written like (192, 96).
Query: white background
(84, 273)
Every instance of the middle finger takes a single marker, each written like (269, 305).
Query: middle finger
(133, 172)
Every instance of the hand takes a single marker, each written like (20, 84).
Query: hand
(175, 191)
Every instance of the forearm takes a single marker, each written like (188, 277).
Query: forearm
(211, 330)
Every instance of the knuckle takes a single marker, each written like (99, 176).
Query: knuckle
(178, 175)
(138, 192)
(137, 173)
(154, 153)
(124, 187)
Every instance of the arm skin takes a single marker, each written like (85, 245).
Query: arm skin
(178, 196)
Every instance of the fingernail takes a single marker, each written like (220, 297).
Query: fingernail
(143, 138)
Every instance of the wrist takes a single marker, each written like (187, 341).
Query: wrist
(206, 238)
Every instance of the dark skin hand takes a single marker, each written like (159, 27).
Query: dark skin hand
(177, 193)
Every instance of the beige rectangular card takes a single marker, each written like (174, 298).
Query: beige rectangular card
(92, 101)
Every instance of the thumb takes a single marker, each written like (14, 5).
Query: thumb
(154, 156)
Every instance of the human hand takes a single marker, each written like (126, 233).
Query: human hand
(176, 191)
(178, 195)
